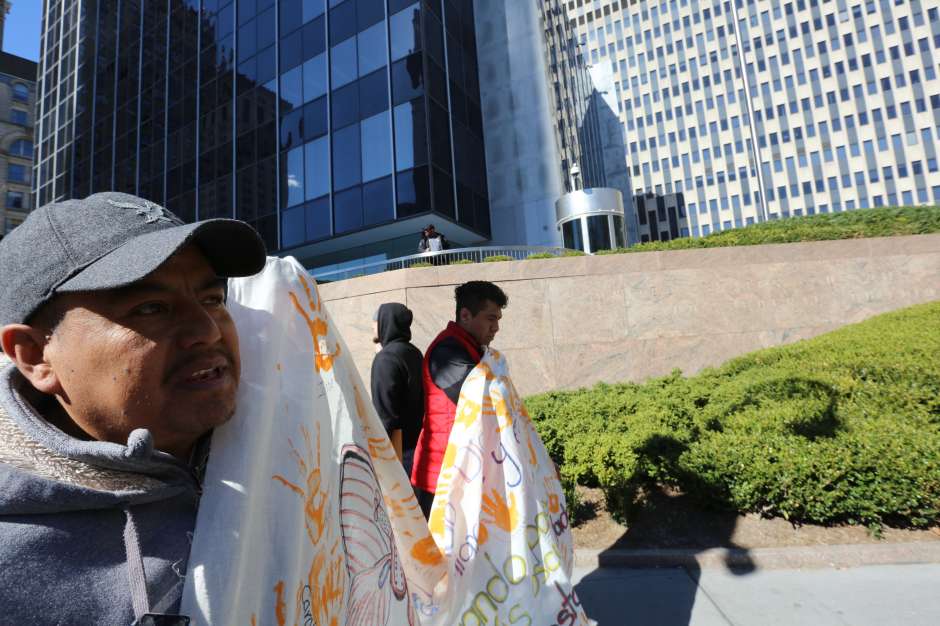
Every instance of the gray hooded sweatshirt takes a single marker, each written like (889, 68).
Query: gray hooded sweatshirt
(90, 532)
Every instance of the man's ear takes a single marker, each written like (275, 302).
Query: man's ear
(26, 347)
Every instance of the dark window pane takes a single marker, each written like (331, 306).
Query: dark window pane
(458, 104)
(345, 106)
(618, 231)
(414, 194)
(266, 28)
(443, 193)
(455, 60)
(292, 227)
(405, 27)
(440, 138)
(346, 157)
(247, 74)
(376, 147)
(315, 119)
(267, 228)
(245, 150)
(347, 209)
(571, 231)
(343, 63)
(483, 215)
(411, 143)
(247, 41)
(377, 201)
(225, 21)
(343, 22)
(407, 79)
(397, 5)
(267, 65)
(318, 219)
(437, 83)
(598, 232)
(370, 12)
(434, 38)
(292, 50)
(291, 15)
(314, 38)
(466, 213)
(290, 129)
(373, 94)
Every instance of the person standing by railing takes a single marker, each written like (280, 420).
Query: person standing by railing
(432, 241)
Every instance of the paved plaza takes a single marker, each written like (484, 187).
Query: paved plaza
(883, 595)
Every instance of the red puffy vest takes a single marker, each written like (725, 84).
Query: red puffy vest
(439, 414)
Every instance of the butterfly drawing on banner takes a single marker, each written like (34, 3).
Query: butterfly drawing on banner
(377, 580)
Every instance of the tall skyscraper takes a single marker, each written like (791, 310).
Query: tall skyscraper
(17, 102)
(544, 113)
(336, 127)
(763, 109)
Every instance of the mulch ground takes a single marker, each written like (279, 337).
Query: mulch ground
(669, 519)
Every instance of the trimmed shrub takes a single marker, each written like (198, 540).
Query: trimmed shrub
(844, 427)
(496, 258)
(421, 264)
(540, 255)
(574, 253)
(881, 222)
(461, 262)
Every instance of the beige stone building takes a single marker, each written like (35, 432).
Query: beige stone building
(17, 105)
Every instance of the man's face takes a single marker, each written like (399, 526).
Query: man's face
(161, 354)
(484, 325)
(431, 232)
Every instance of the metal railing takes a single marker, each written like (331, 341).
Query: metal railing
(458, 256)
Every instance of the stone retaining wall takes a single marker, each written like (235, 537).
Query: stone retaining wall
(573, 322)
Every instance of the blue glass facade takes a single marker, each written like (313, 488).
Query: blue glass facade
(309, 119)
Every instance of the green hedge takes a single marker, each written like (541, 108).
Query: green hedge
(844, 427)
(883, 222)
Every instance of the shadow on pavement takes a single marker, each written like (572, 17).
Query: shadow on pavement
(642, 593)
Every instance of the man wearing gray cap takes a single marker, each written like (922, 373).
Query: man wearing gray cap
(122, 358)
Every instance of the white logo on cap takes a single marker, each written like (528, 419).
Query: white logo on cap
(153, 212)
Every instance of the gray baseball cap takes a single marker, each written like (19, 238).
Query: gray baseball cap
(106, 241)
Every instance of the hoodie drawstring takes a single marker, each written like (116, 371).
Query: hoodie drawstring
(135, 567)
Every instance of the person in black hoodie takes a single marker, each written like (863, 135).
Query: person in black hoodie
(397, 387)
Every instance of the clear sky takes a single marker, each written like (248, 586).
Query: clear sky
(21, 32)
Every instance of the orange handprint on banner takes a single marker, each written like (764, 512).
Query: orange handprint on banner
(502, 513)
(323, 360)
(315, 498)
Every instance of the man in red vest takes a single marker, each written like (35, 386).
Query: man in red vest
(449, 360)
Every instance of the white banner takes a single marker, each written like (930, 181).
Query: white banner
(307, 516)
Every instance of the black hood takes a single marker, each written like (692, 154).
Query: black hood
(394, 323)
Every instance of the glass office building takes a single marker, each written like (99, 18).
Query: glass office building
(544, 115)
(763, 109)
(336, 127)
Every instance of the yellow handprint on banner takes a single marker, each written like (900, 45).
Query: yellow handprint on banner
(500, 512)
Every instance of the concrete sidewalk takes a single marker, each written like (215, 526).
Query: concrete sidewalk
(878, 595)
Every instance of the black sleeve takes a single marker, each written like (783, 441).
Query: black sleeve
(389, 391)
(449, 365)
